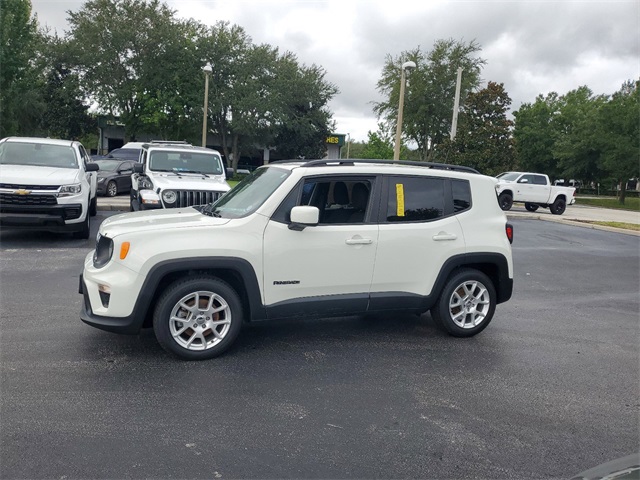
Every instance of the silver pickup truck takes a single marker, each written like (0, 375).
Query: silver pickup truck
(535, 190)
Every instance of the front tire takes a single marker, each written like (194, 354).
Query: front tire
(506, 201)
(93, 206)
(558, 207)
(198, 318)
(112, 189)
(466, 304)
(86, 228)
(532, 207)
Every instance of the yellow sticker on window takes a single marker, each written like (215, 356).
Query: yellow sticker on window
(400, 199)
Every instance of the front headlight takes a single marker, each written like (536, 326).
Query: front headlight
(145, 183)
(103, 252)
(169, 196)
(101, 180)
(67, 190)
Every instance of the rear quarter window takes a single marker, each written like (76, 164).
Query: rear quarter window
(461, 192)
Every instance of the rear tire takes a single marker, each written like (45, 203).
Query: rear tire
(466, 304)
(532, 207)
(506, 201)
(558, 207)
(198, 318)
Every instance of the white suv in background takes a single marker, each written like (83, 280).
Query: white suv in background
(299, 239)
(176, 175)
(47, 184)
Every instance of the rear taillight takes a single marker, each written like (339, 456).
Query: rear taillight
(509, 230)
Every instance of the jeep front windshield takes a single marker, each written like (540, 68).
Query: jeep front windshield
(246, 197)
(185, 162)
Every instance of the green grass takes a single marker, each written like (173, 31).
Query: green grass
(233, 183)
(630, 203)
(626, 226)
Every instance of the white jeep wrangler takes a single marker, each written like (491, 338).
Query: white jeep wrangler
(298, 239)
(176, 175)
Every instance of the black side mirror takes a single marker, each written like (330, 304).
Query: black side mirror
(92, 167)
(228, 172)
(138, 168)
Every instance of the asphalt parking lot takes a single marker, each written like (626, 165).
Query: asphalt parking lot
(549, 389)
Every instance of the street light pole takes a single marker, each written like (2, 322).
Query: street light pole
(205, 111)
(456, 106)
(396, 150)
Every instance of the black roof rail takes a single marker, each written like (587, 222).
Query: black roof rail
(353, 161)
(171, 142)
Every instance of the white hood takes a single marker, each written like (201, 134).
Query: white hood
(17, 174)
(189, 181)
(155, 220)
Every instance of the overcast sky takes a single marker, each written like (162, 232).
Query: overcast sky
(532, 47)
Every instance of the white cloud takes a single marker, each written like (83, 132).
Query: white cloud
(532, 47)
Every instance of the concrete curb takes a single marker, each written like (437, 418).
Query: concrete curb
(574, 222)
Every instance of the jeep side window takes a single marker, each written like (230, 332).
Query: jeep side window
(461, 192)
(415, 199)
(339, 200)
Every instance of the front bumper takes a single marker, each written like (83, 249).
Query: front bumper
(56, 218)
(130, 324)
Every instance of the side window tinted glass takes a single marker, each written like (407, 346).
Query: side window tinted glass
(415, 199)
(528, 178)
(461, 195)
(339, 200)
(83, 154)
(539, 180)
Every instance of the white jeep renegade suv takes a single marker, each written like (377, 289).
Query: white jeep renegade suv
(295, 239)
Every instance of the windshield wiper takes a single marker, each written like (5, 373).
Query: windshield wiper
(192, 171)
(208, 210)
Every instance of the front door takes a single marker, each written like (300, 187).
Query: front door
(324, 269)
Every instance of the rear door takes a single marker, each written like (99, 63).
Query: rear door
(419, 232)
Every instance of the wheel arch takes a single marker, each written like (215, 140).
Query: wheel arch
(237, 272)
(493, 265)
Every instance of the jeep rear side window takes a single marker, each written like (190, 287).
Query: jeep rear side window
(461, 195)
(415, 199)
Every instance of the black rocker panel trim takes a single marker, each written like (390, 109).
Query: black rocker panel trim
(320, 306)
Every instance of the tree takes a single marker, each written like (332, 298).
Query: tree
(431, 90)
(379, 144)
(130, 56)
(535, 133)
(619, 135)
(304, 118)
(483, 140)
(20, 100)
(65, 113)
(577, 146)
(259, 97)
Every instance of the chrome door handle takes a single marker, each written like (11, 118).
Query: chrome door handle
(444, 236)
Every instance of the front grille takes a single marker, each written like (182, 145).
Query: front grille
(189, 198)
(20, 186)
(13, 199)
